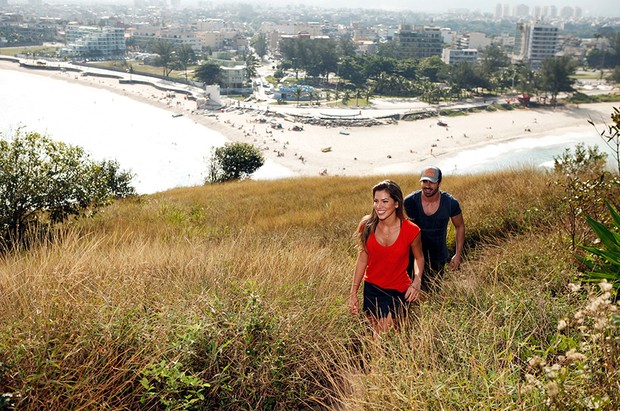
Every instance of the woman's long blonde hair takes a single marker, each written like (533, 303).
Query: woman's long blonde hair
(370, 221)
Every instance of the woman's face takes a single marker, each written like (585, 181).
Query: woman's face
(384, 204)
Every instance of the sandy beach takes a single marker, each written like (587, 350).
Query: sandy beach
(402, 146)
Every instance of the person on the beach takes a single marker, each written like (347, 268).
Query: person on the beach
(432, 209)
(386, 238)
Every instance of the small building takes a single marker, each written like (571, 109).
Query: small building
(294, 93)
(211, 100)
(453, 56)
(233, 77)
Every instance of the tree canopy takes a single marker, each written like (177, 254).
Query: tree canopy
(234, 161)
(555, 75)
(44, 182)
(164, 51)
(209, 73)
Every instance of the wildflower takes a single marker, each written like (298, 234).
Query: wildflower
(552, 389)
(573, 355)
(594, 305)
(605, 286)
(531, 379)
(562, 324)
(553, 371)
(600, 323)
(536, 362)
(574, 287)
(579, 316)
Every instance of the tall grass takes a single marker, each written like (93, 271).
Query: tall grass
(234, 296)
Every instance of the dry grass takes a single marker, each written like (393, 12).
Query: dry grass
(234, 296)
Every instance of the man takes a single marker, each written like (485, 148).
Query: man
(432, 210)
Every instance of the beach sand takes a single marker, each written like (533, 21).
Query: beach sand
(392, 148)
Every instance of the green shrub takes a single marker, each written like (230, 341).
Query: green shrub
(44, 182)
(604, 262)
(234, 161)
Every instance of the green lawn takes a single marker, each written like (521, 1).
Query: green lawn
(38, 50)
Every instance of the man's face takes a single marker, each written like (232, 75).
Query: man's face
(429, 188)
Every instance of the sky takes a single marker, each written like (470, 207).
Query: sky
(608, 8)
(590, 8)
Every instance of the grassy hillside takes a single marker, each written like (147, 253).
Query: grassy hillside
(234, 296)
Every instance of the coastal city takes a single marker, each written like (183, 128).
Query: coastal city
(232, 37)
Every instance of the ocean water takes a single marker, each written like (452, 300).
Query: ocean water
(532, 152)
(163, 152)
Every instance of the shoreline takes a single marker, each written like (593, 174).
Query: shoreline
(395, 147)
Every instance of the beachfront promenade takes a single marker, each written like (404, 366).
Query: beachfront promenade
(391, 147)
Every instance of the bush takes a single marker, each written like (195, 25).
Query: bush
(234, 161)
(44, 182)
(604, 261)
(582, 177)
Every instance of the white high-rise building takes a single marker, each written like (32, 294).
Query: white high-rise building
(567, 12)
(521, 10)
(537, 42)
(553, 11)
(94, 42)
(499, 11)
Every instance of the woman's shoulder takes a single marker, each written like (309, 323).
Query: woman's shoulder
(410, 225)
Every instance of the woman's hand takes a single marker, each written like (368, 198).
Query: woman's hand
(354, 305)
(413, 292)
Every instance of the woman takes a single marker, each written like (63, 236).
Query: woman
(386, 238)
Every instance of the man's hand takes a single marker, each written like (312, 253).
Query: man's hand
(455, 263)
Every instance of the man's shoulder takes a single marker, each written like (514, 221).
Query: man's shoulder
(413, 195)
(452, 203)
(448, 196)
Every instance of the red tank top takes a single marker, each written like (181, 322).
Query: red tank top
(387, 266)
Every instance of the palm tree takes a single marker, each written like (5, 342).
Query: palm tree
(251, 63)
(298, 92)
(346, 97)
(368, 91)
(358, 94)
(185, 56)
(165, 51)
(336, 94)
(328, 95)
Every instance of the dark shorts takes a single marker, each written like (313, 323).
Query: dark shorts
(378, 302)
(433, 276)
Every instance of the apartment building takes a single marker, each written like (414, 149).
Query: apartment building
(144, 36)
(94, 42)
(536, 42)
(418, 41)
